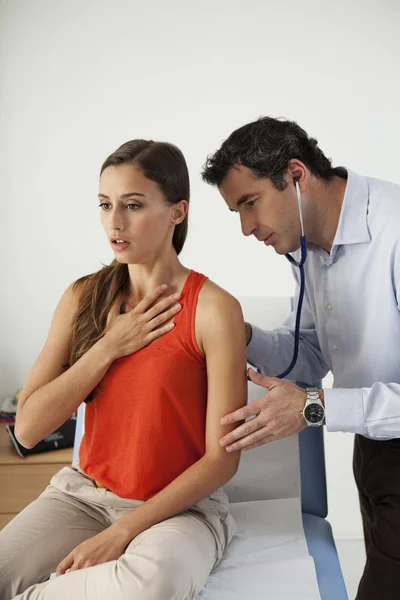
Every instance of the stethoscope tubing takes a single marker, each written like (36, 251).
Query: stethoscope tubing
(300, 265)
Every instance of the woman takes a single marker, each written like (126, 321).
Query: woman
(141, 516)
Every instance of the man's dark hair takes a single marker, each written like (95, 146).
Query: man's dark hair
(266, 146)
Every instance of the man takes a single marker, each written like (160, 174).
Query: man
(350, 321)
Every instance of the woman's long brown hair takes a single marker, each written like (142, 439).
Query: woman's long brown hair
(164, 164)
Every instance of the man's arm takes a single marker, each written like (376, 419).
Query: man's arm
(373, 411)
(248, 332)
(272, 351)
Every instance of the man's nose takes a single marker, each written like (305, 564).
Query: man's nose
(248, 227)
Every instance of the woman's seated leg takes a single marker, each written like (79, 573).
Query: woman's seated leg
(38, 538)
(170, 561)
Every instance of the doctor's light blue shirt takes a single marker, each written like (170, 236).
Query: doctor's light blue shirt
(351, 316)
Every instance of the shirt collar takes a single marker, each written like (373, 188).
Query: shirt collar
(353, 227)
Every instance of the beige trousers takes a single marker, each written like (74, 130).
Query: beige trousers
(170, 561)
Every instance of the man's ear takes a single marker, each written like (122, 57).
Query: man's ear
(180, 210)
(297, 170)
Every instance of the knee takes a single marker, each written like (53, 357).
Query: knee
(158, 582)
(167, 587)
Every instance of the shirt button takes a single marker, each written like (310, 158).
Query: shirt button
(335, 347)
(329, 306)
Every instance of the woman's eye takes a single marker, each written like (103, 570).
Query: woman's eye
(131, 206)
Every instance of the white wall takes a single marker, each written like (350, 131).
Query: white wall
(79, 77)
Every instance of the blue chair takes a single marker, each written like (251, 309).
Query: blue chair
(314, 506)
(317, 529)
(78, 432)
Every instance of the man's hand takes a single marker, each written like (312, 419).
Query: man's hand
(275, 416)
(108, 545)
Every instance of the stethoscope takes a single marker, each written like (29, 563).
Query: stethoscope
(300, 265)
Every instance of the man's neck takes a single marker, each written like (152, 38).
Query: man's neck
(326, 205)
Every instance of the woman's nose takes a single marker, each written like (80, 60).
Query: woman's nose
(116, 221)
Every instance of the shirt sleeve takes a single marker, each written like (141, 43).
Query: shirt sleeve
(272, 351)
(374, 411)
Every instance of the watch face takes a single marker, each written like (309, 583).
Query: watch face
(314, 413)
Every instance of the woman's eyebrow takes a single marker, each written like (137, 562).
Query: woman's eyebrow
(123, 195)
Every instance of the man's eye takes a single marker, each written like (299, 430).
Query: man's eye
(251, 203)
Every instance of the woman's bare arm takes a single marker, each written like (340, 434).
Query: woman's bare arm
(52, 394)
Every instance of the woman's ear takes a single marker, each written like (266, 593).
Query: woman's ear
(179, 212)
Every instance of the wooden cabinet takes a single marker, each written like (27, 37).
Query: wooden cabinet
(23, 479)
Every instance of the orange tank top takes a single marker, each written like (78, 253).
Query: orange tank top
(146, 423)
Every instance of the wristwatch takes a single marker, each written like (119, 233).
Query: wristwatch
(314, 411)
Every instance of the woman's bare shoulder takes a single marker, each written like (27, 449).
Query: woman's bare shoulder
(212, 298)
(74, 291)
(71, 298)
(218, 314)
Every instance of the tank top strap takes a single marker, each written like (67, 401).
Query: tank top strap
(185, 320)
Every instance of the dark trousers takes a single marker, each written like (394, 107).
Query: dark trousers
(377, 474)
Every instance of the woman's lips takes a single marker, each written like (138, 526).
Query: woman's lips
(119, 247)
